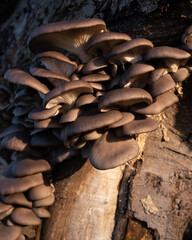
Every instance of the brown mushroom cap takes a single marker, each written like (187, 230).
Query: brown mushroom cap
(47, 123)
(70, 115)
(140, 125)
(24, 216)
(39, 113)
(45, 202)
(130, 51)
(70, 36)
(109, 151)
(41, 212)
(6, 213)
(20, 77)
(4, 207)
(160, 103)
(134, 73)
(39, 192)
(85, 99)
(57, 62)
(105, 41)
(15, 185)
(91, 135)
(18, 199)
(66, 94)
(96, 77)
(9, 232)
(92, 122)
(94, 64)
(127, 118)
(123, 98)
(164, 84)
(156, 74)
(181, 75)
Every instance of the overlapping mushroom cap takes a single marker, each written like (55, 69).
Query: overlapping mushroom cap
(87, 92)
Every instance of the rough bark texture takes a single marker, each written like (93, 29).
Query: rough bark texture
(150, 198)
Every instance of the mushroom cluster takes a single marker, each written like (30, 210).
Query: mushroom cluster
(88, 92)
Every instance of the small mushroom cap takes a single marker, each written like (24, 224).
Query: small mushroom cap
(181, 75)
(6, 213)
(24, 216)
(141, 125)
(96, 77)
(20, 77)
(45, 202)
(70, 115)
(91, 135)
(56, 62)
(66, 94)
(156, 74)
(18, 199)
(25, 167)
(41, 212)
(85, 99)
(123, 98)
(15, 185)
(164, 84)
(47, 123)
(105, 41)
(9, 232)
(130, 51)
(127, 118)
(92, 122)
(4, 207)
(39, 113)
(160, 103)
(94, 64)
(69, 36)
(39, 192)
(135, 71)
(109, 151)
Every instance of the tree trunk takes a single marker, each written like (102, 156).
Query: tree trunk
(150, 197)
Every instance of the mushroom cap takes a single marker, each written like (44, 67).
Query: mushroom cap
(187, 37)
(15, 185)
(130, 51)
(105, 41)
(4, 207)
(18, 199)
(140, 125)
(47, 123)
(39, 192)
(6, 213)
(70, 115)
(56, 62)
(20, 77)
(156, 74)
(45, 202)
(96, 77)
(123, 98)
(181, 75)
(27, 166)
(160, 103)
(39, 113)
(134, 72)
(92, 122)
(41, 212)
(9, 232)
(127, 118)
(94, 64)
(91, 135)
(110, 151)
(164, 84)
(66, 94)
(69, 36)
(85, 99)
(165, 52)
(24, 216)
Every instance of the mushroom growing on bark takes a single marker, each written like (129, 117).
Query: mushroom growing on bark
(78, 98)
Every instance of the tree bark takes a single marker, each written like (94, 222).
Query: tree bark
(150, 197)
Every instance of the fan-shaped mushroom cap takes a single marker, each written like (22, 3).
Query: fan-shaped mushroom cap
(85, 99)
(4, 207)
(181, 75)
(27, 166)
(15, 185)
(92, 122)
(66, 94)
(47, 123)
(9, 232)
(57, 62)
(173, 57)
(45, 202)
(127, 118)
(24, 216)
(70, 115)
(164, 84)
(41, 212)
(187, 37)
(105, 42)
(96, 77)
(156, 74)
(140, 125)
(54, 78)
(130, 51)
(160, 103)
(91, 135)
(39, 113)
(123, 98)
(18, 199)
(94, 64)
(136, 72)
(39, 192)
(5, 214)
(69, 36)
(23, 78)
(109, 151)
